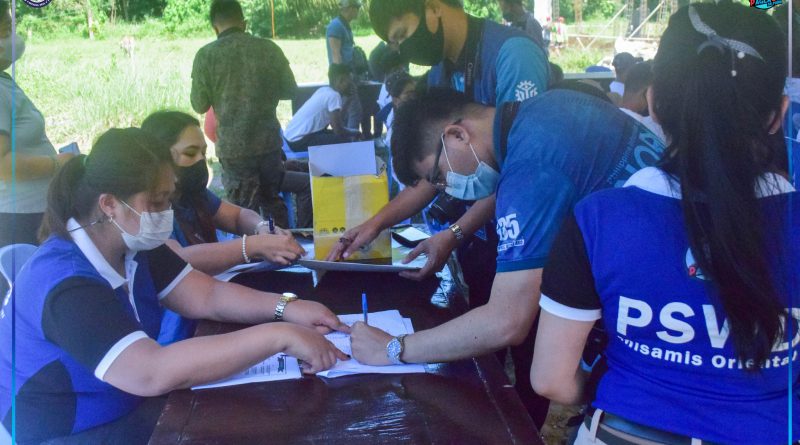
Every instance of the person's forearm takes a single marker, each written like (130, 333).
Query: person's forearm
(574, 393)
(210, 358)
(340, 130)
(477, 215)
(480, 331)
(336, 49)
(247, 221)
(213, 258)
(230, 302)
(407, 203)
(504, 321)
(27, 167)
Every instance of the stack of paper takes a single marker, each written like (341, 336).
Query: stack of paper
(389, 321)
(284, 367)
(277, 367)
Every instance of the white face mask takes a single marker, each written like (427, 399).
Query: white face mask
(155, 229)
(11, 49)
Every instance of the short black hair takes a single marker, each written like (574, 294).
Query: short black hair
(223, 11)
(556, 73)
(397, 81)
(391, 60)
(418, 126)
(639, 77)
(336, 71)
(623, 61)
(381, 12)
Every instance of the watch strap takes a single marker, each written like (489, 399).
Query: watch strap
(457, 232)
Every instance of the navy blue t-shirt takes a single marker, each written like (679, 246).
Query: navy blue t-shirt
(187, 215)
(174, 327)
(562, 146)
(624, 256)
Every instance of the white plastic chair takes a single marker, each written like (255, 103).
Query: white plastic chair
(5, 438)
(12, 258)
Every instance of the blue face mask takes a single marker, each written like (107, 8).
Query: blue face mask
(472, 187)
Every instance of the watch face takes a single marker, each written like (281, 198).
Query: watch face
(288, 296)
(393, 348)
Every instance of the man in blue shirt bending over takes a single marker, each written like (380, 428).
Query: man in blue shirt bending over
(491, 64)
(539, 157)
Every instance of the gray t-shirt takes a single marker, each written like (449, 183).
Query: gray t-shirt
(30, 139)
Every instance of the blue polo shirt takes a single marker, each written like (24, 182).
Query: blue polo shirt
(74, 316)
(624, 256)
(174, 327)
(511, 66)
(340, 29)
(562, 146)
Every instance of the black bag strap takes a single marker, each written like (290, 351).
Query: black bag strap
(508, 113)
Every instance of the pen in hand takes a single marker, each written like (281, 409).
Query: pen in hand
(364, 306)
(271, 223)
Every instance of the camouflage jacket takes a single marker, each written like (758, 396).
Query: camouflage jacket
(243, 77)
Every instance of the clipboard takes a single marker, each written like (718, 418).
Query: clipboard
(358, 266)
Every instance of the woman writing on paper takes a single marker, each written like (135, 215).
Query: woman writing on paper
(88, 307)
(199, 213)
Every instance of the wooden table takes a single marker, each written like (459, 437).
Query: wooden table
(465, 402)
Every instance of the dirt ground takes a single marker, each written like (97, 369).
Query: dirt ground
(555, 431)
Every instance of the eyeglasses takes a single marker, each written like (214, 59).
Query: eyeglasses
(435, 175)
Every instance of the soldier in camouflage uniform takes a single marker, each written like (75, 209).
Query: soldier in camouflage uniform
(243, 77)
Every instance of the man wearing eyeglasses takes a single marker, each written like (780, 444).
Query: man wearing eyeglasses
(539, 157)
(491, 64)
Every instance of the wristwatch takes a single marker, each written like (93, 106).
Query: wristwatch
(394, 349)
(261, 224)
(456, 229)
(286, 298)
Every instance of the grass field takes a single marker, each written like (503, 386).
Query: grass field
(84, 87)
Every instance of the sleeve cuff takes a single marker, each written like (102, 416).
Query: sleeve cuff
(171, 286)
(527, 264)
(115, 351)
(569, 313)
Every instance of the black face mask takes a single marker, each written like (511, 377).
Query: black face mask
(192, 179)
(423, 47)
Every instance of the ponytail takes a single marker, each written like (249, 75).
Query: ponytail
(61, 198)
(713, 105)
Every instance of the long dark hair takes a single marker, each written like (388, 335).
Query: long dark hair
(167, 126)
(123, 162)
(714, 104)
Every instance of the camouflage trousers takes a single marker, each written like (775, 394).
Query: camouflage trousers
(253, 182)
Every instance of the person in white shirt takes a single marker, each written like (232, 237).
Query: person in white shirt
(309, 125)
(638, 79)
(622, 63)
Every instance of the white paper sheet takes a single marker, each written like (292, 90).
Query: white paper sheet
(391, 322)
(277, 367)
(348, 159)
(259, 266)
